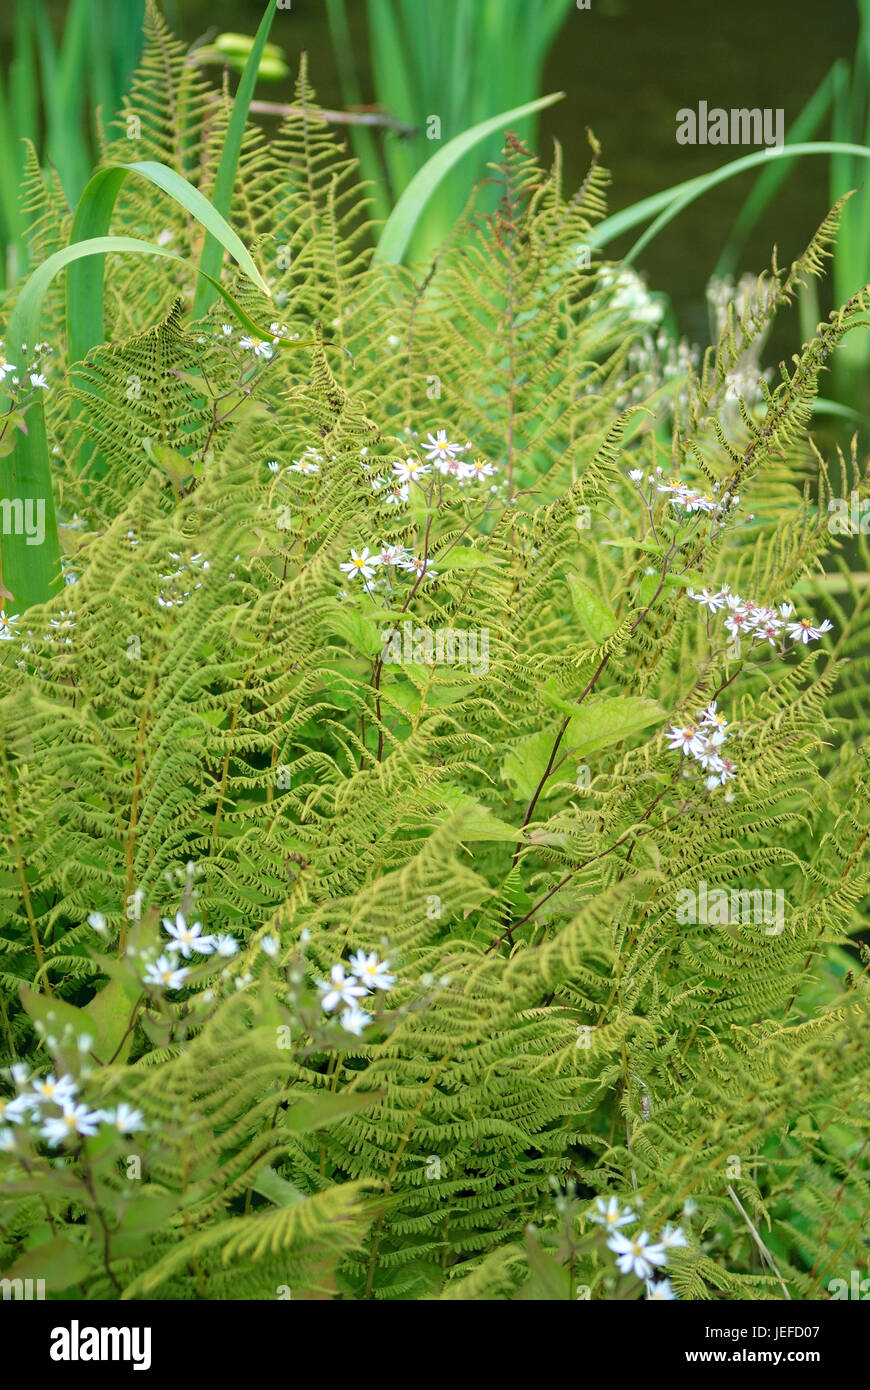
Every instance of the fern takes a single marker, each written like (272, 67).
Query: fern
(213, 719)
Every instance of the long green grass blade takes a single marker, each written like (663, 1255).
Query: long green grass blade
(84, 288)
(30, 568)
(400, 225)
(674, 199)
(214, 246)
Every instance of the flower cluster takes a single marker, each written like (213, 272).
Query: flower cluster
(363, 563)
(687, 498)
(638, 1254)
(347, 985)
(746, 617)
(185, 938)
(52, 1106)
(703, 742)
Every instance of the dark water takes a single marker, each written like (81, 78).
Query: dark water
(627, 67)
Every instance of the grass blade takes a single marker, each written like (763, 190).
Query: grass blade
(400, 225)
(213, 248)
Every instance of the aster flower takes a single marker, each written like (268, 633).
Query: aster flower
(187, 938)
(635, 1255)
(439, 450)
(354, 1020)
(47, 1089)
(226, 945)
(685, 740)
(361, 563)
(165, 973)
(124, 1118)
(611, 1214)
(338, 989)
(7, 626)
(76, 1119)
(410, 470)
(711, 601)
(661, 1291)
(478, 468)
(417, 564)
(6, 368)
(370, 971)
(673, 1237)
(712, 718)
(256, 345)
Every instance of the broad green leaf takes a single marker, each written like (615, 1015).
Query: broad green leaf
(60, 1262)
(596, 617)
(603, 720)
(278, 1190)
(318, 1111)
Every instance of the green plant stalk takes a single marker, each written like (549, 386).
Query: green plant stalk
(222, 194)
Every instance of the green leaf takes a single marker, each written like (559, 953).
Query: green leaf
(60, 1262)
(603, 720)
(210, 264)
(318, 1111)
(278, 1190)
(596, 617)
(399, 226)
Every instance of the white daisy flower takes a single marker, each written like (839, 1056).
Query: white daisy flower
(269, 945)
(673, 1237)
(124, 1118)
(371, 971)
(712, 718)
(76, 1119)
(438, 448)
(165, 973)
(226, 945)
(47, 1089)
(611, 1214)
(7, 626)
(417, 564)
(397, 495)
(187, 938)
(362, 564)
(338, 989)
(635, 1255)
(712, 601)
(392, 554)
(478, 468)
(38, 380)
(6, 367)
(410, 470)
(256, 345)
(636, 475)
(660, 1292)
(684, 740)
(354, 1020)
